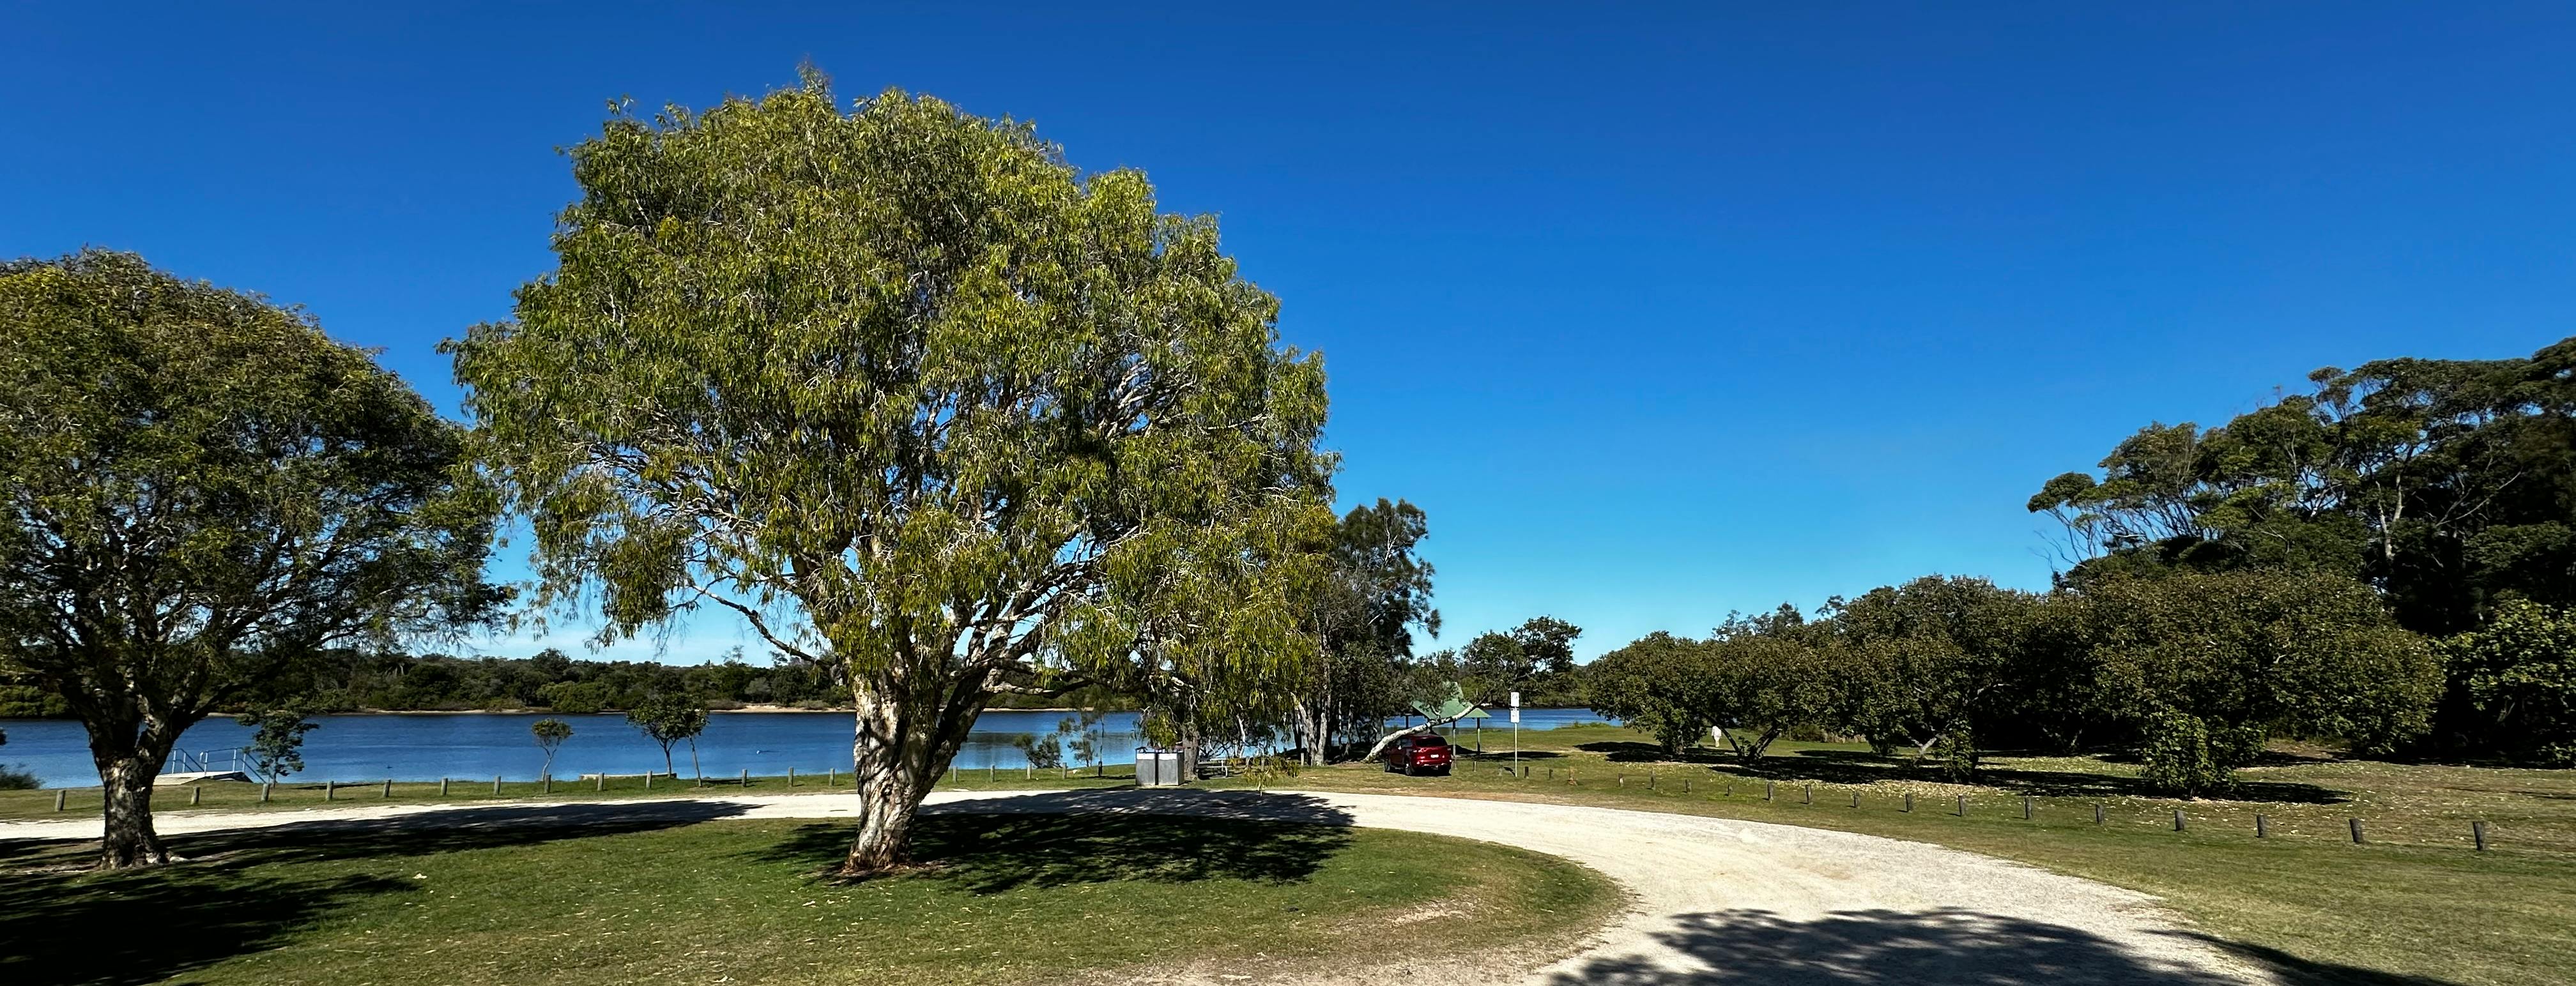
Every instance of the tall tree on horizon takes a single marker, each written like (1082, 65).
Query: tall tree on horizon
(907, 392)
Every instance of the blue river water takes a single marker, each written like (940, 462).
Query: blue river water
(427, 746)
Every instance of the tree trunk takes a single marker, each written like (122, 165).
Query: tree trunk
(897, 755)
(126, 772)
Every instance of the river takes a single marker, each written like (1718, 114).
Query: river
(426, 746)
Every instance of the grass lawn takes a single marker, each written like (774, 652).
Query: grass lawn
(2416, 905)
(233, 796)
(1009, 899)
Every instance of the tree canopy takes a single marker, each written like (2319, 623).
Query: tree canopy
(908, 392)
(202, 492)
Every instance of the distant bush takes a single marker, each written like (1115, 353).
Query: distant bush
(17, 778)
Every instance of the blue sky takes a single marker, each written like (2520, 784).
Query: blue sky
(1658, 312)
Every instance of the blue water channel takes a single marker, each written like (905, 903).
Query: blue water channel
(427, 746)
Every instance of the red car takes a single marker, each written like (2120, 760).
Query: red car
(1418, 753)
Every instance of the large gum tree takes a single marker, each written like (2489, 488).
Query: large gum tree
(200, 492)
(904, 390)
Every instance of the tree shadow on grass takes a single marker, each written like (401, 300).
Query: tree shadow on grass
(993, 845)
(1853, 767)
(1930, 948)
(63, 926)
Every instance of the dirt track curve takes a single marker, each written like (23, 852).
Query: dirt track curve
(1712, 900)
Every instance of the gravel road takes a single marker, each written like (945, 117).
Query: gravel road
(1712, 900)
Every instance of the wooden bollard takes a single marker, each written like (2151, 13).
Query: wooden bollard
(2262, 826)
(442, 787)
(1650, 780)
(1810, 796)
(648, 780)
(746, 777)
(1855, 797)
(496, 783)
(1963, 806)
(2478, 833)
(1730, 789)
(264, 788)
(60, 794)
(2097, 813)
(2025, 807)
(603, 782)
(832, 777)
(2356, 831)
(327, 789)
(1909, 802)
(791, 777)
(389, 787)
(1686, 785)
(197, 795)
(1768, 789)
(1623, 780)
(549, 784)
(2177, 819)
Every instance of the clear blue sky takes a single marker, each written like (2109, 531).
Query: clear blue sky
(1659, 314)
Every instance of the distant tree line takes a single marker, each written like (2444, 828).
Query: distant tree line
(2388, 561)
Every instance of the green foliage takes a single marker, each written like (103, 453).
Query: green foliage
(1661, 684)
(551, 734)
(1375, 591)
(2184, 755)
(18, 778)
(2519, 671)
(2274, 653)
(576, 697)
(277, 742)
(199, 493)
(2445, 483)
(1937, 663)
(912, 395)
(667, 719)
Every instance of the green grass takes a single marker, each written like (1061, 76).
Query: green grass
(234, 796)
(2416, 905)
(1007, 899)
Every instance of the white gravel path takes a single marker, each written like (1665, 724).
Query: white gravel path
(1713, 900)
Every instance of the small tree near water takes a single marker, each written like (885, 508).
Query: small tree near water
(276, 742)
(669, 719)
(550, 734)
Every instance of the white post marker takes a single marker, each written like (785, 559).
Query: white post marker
(1516, 734)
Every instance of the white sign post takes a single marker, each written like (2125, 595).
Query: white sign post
(1516, 734)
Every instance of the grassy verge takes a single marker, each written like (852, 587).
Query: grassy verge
(1008, 899)
(2415, 905)
(230, 796)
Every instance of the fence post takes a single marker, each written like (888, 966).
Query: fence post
(1650, 780)
(264, 788)
(2025, 807)
(791, 777)
(2177, 819)
(327, 789)
(1963, 806)
(648, 779)
(549, 782)
(832, 777)
(197, 795)
(1810, 796)
(496, 783)
(1686, 784)
(1623, 780)
(2478, 831)
(1768, 788)
(603, 781)
(389, 787)
(2262, 826)
(1909, 802)
(1855, 797)
(60, 794)
(442, 787)
(2097, 813)
(746, 778)
(2356, 831)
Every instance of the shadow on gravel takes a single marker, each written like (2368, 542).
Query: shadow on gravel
(1934, 948)
(993, 845)
(64, 927)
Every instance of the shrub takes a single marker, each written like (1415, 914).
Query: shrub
(2189, 757)
(17, 778)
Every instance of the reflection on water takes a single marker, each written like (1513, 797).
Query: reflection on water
(484, 745)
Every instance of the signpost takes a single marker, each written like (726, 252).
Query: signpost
(1516, 734)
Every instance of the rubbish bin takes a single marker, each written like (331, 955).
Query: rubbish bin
(1156, 768)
